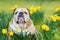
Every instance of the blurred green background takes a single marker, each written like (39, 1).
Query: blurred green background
(47, 8)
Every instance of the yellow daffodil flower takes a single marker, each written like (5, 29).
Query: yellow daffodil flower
(15, 6)
(53, 18)
(18, 28)
(31, 12)
(4, 31)
(31, 8)
(11, 33)
(45, 27)
(12, 8)
(34, 9)
(38, 8)
(57, 9)
(57, 17)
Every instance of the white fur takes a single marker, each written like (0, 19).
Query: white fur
(14, 26)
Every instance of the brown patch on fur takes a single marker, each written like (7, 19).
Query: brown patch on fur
(28, 24)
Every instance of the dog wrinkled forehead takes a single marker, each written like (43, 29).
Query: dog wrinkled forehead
(21, 10)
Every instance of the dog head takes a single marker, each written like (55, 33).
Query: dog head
(21, 15)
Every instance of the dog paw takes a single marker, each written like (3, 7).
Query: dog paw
(28, 33)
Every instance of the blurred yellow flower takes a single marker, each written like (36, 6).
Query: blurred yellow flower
(12, 8)
(57, 17)
(18, 28)
(34, 9)
(15, 6)
(11, 33)
(31, 12)
(38, 8)
(45, 27)
(4, 31)
(53, 18)
(57, 9)
(31, 8)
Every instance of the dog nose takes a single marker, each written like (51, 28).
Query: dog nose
(20, 14)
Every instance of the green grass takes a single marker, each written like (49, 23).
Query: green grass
(5, 19)
(47, 8)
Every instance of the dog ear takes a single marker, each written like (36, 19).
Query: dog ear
(14, 10)
(28, 10)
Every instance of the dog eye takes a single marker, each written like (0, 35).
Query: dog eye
(25, 12)
(16, 13)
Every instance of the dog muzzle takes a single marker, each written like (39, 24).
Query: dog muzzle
(21, 18)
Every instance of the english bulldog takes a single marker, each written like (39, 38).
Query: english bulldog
(21, 22)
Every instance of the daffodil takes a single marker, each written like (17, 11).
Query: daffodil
(11, 33)
(31, 12)
(45, 27)
(4, 31)
(57, 9)
(12, 8)
(38, 8)
(53, 18)
(34, 9)
(15, 6)
(57, 17)
(31, 8)
(18, 28)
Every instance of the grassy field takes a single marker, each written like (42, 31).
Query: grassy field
(47, 6)
(39, 18)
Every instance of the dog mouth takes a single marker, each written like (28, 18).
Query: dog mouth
(20, 20)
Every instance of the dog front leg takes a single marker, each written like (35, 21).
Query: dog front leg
(10, 38)
(28, 33)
